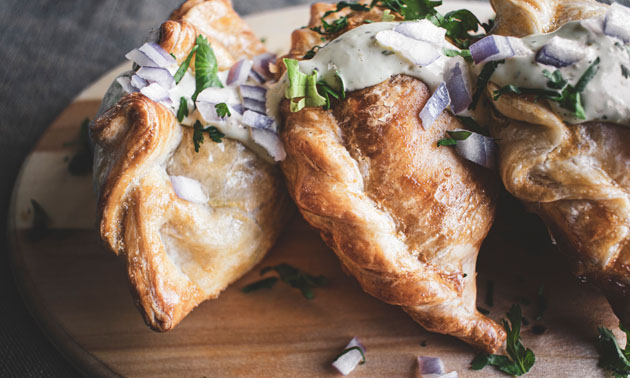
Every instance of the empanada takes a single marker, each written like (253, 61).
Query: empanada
(567, 156)
(180, 252)
(404, 216)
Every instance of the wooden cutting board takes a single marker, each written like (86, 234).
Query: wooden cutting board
(78, 291)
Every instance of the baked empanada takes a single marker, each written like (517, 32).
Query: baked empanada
(186, 223)
(566, 153)
(404, 216)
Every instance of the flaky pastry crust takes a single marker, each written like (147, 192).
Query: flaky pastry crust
(179, 253)
(405, 217)
(576, 177)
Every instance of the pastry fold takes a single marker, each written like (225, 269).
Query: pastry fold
(575, 177)
(405, 217)
(180, 253)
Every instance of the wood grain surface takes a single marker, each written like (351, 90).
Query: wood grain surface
(78, 293)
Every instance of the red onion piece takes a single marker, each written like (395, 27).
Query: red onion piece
(239, 72)
(452, 374)
(140, 58)
(270, 142)
(157, 54)
(155, 92)
(157, 75)
(254, 105)
(478, 148)
(261, 65)
(216, 95)
(125, 83)
(560, 52)
(435, 106)
(492, 47)
(418, 52)
(423, 30)
(257, 120)
(253, 92)
(208, 111)
(430, 365)
(594, 25)
(189, 189)
(237, 108)
(617, 22)
(258, 78)
(458, 85)
(138, 82)
(346, 363)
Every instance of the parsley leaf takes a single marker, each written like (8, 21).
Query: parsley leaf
(625, 71)
(454, 137)
(182, 112)
(197, 135)
(483, 79)
(463, 53)
(206, 68)
(388, 16)
(306, 89)
(222, 110)
(181, 71)
(333, 28)
(520, 360)
(611, 356)
(311, 53)
(295, 278)
(215, 134)
(457, 24)
(344, 4)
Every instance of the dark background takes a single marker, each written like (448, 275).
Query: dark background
(50, 51)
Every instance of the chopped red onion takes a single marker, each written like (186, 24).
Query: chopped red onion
(560, 52)
(255, 105)
(215, 95)
(140, 58)
(155, 92)
(257, 120)
(430, 365)
(435, 106)
(157, 75)
(347, 362)
(477, 148)
(594, 25)
(237, 108)
(208, 111)
(189, 189)
(157, 54)
(261, 65)
(423, 30)
(418, 52)
(239, 72)
(270, 142)
(253, 92)
(492, 47)
(138, 82)
(452, 374)
(257, 77)
(617, 22)
(125, 83)
(458, 85)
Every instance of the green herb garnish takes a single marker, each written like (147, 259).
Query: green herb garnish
(182, 112)
(306, 89)
(625, 71)
(181, 71)
(215, 134)
(39, 228)
(611, 356)
(454, 137)
(351, 349)
(311, 53)
(222, 110)
(463, 53)
(81, 163)
(332, 28)
(388, 16)
(471, 124)
(291, 276)
(483, 79)
(206, 68)
(520, 360)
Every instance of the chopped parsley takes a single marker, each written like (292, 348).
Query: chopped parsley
(332, 28)
(181, 71)
(311, 53)
(611, 356)
(305, 91)
(388, 16)
(41, 221)
(625, 71)
(568, 98)
(463, 53)
(222, 110)
(182, 112)
(206, 67)
(520, 360)
(349, 350)
(483, 79)
(215, 134)
(454, 137)
(81, 163)
(291, 276)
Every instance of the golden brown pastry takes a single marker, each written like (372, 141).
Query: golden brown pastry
(180, 253)
(573, 174)
(405, 217)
